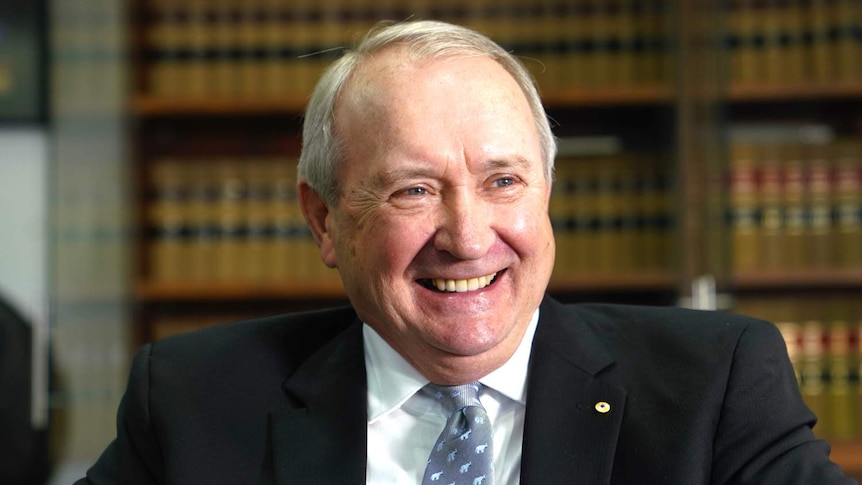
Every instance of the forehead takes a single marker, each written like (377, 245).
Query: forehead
(391, 98)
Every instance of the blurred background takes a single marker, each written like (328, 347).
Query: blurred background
(710, 157)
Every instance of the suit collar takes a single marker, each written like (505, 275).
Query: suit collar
(566, 439)
(333, 436)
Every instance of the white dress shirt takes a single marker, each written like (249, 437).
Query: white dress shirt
(403, 424)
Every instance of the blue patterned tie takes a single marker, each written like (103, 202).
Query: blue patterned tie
(463, 453)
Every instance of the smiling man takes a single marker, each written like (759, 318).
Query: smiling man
(425, 177)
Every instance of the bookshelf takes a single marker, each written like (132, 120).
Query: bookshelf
(668, 116)
(793, 106)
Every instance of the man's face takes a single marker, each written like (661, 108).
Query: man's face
(441, 232)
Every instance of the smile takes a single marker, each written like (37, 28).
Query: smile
(458, 286)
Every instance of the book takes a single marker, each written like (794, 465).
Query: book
(743, 212)
(847, 203)
(840, 418)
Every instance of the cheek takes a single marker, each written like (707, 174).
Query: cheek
(529, 225)
(387, 244)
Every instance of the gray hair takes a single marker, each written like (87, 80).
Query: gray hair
(322, 151)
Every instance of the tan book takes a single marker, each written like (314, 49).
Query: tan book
(769, 48)
(167, 247)
(166, 40)
(276, 38)
(250, 43)
(744, 220)
(792, 40)
(743, 26)
(657, 208)
(821, 54)
(772, 253)
(629, 259)
(555, 41)
(857, 372)
(840, 412)
(792, 334)
(601, 60)
(201, 45)
(583, 209)
(202, 220)
(167, 215)
(846, 20)
(812, 384)
(257, 219)
(608, 212)
(797, 236)
(819, 200)
(626, 38)
(559, 211)
(579, 45)
(224, 66)
(847, 200)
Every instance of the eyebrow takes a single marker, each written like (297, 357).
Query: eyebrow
(396, 175)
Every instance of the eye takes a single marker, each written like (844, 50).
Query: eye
(413, 191)
(504, 182)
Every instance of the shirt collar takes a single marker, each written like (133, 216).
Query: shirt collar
(392, 381)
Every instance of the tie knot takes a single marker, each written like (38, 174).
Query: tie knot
(454, 398)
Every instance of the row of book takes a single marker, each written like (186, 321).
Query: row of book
(239, 49)
(238, 220)
(794, 42)
(229, 221)
(795, 204)
(612, 214)
(823, 342)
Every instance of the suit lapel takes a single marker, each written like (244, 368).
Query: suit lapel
(318, 434)
(569, 436)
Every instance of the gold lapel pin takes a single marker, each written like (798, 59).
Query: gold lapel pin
(603, 407)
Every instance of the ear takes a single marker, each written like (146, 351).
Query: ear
(317, 216)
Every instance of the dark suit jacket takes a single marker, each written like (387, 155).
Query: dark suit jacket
(695, 398)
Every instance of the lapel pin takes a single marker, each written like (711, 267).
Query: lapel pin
(603, 407)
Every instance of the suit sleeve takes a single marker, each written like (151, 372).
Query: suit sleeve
(134, 457)
(764, 433)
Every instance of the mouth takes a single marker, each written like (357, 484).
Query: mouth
(443, 285)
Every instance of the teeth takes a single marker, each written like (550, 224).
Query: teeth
(460, 286)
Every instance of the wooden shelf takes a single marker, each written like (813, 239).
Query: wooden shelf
(237, 292)
(609, 97)
(294, 105)
(824, 278)
(766, 93)
(158, 106)
(848, 454)
(648, 281)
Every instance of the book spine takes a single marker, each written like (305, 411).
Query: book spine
(796, 237)
(741, 35)
(846, 23)
(847, 200)
(743, 217)
(771, 251)
(559, 210)
(165, 42)
(811, 372)
(839, 413)
(821, 252)
(821, 52)
(168, 218)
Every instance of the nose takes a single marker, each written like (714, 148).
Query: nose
(465, 227)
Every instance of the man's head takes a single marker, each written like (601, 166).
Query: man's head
(425, 177)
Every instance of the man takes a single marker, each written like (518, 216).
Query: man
(425, 176)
